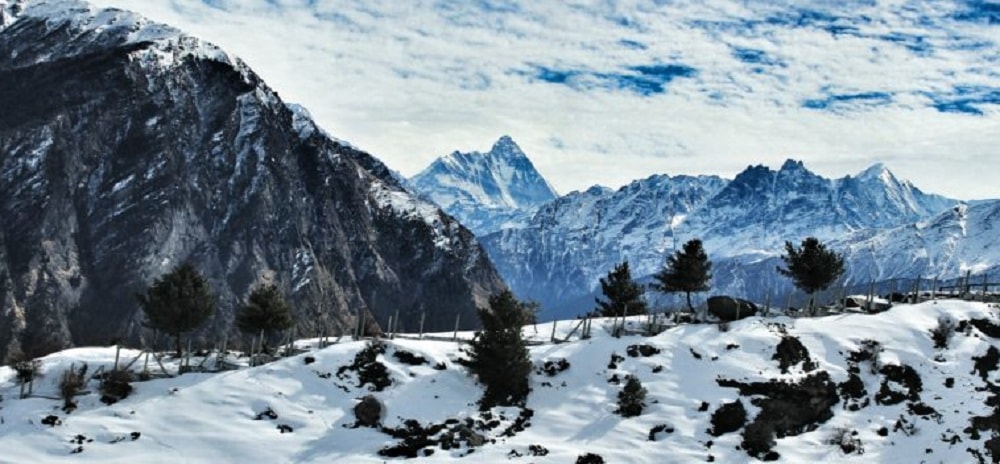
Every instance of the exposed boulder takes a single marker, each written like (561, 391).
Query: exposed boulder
(727, 308)
(369, 411)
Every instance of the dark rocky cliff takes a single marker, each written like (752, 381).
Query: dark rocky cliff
(127, 148)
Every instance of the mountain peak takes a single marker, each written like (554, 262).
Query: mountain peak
(876, 171)
(505, 143)
(502, 182)
(792, 165)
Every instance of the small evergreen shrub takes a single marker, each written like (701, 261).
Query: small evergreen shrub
(632, 398)
(943, 332)
(116, 386)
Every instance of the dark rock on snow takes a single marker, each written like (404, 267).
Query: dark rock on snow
(369, 411)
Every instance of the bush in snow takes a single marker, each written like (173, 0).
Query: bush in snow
(70, 384)
(116, 386)
(943, 332)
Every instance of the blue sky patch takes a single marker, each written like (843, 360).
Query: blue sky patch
(644, 80)
(754, 56)
(978, 11)
(839, 102)
(967, 99)
(633, 44)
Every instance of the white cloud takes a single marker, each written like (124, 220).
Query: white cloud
(410, 81)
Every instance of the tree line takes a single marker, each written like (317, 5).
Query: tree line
(811, 267)
(181, 301)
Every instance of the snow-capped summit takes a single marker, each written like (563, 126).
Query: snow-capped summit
(485, 190)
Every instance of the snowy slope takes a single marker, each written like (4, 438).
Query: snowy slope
(485, 190)
(211, 417)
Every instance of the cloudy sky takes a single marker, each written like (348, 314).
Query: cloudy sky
(604, 92)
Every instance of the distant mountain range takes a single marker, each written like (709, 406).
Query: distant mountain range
(554, 252)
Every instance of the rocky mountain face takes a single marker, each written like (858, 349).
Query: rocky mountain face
(127, 147)
(485, 191)
(762, 208)
(557, 256)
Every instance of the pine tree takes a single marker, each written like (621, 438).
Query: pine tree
(499, 355)
(266, 310)
(632, 398)
(624, 295)
(811, 267)
(687, 270)
(177, 302)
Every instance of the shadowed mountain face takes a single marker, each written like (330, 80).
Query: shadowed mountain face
(127, 148)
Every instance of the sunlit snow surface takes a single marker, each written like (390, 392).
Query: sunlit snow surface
(607, 92)
(210, 417)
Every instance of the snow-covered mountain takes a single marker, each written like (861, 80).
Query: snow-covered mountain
(762, 208)
(849, 388)
(557, 256)
(128, 147)
(485, 190)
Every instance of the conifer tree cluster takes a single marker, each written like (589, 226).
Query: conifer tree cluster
(181, 301)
